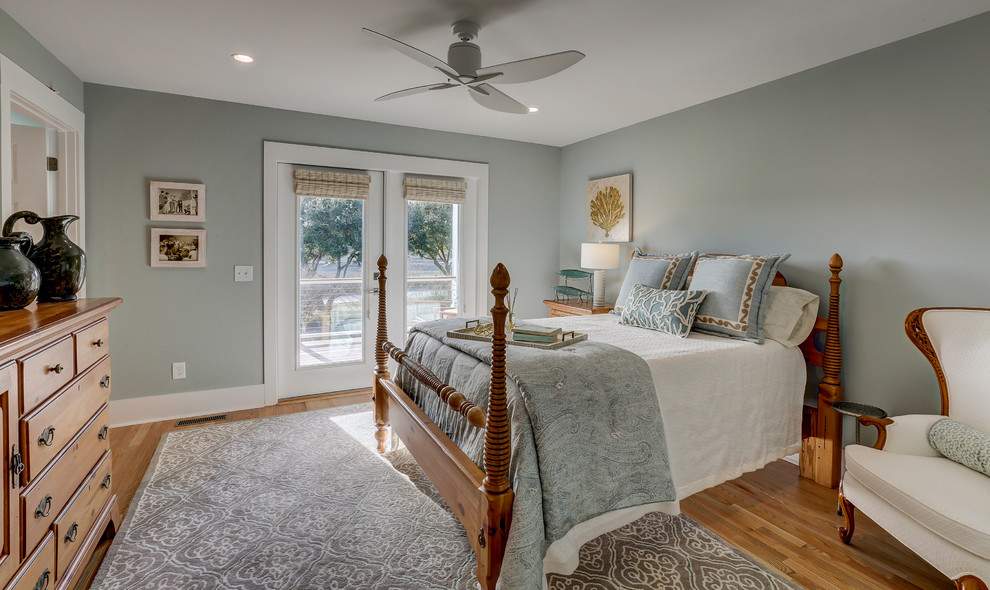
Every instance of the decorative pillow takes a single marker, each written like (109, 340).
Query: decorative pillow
(662, 310)
(736, 305)
(791, 315)
(962, 444)
(660, 271)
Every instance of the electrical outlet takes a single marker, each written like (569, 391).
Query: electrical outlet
(243, 274)
(179, 370)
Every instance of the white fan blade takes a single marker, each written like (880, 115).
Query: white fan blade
(421, 56)
(415, 90)
(534, 68)
(487, 96)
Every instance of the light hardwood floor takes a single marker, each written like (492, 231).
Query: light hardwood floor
(787, 522)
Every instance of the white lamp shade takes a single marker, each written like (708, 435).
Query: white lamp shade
(599, 256)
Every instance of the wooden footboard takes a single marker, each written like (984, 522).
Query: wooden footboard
(821, 431)
(482, 500)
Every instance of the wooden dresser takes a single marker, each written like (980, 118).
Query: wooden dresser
(58, 500)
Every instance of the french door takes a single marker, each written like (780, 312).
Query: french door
(321, 246)
(327, 249)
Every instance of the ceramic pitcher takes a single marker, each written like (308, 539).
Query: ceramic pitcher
(61, 262)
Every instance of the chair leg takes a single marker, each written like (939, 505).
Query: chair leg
(846, 532)
(969, 583)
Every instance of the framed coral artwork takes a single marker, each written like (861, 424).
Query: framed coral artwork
(608, 217)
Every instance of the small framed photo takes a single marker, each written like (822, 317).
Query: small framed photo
(178, 248)
(178, 201)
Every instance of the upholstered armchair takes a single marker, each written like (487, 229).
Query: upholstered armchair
(936, 506)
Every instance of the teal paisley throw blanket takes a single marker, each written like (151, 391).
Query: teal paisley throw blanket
(587, 437)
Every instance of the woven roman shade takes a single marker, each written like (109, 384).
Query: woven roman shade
(343, 185)
(435, 191)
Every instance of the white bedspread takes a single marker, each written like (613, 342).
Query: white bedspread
(728, 407)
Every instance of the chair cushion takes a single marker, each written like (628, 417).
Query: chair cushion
(944, 496)
(962, 444)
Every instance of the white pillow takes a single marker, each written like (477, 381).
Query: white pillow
(791, 314)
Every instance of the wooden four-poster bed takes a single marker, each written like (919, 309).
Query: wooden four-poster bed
(482, 498)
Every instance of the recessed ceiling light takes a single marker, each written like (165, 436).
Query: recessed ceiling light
(533, 109)
(242, 57)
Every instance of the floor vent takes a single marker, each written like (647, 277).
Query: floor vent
(203, 420)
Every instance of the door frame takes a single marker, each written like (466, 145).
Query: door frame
(20, 89)
(474, 219)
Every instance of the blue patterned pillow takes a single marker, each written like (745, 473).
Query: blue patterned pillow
(660, 271)
(738, 289)
(662, 310)
(962, 444)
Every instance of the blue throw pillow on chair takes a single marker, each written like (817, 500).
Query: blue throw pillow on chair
(962, 444)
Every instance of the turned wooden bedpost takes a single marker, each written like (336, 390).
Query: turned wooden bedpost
(381, 362)
(827, 430)
(495, 532)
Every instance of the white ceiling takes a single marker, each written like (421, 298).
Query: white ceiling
(644, 58)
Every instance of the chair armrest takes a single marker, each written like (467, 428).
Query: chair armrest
(907, 435)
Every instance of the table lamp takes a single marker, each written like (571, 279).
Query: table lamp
(599, 256)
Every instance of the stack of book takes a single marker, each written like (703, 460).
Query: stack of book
(533, 333)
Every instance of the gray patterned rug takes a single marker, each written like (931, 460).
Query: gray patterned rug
(302, 502)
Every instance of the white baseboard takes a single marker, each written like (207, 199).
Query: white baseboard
(153, 408)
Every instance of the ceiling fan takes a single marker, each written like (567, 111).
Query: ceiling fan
(463, 69)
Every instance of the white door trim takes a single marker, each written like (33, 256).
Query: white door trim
(476, 215)
(19, 89)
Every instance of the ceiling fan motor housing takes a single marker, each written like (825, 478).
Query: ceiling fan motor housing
(465, 58)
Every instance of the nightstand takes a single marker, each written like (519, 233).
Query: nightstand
(560, 309)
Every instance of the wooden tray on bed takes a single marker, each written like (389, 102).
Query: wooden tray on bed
(566, 338)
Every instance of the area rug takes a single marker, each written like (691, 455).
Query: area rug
(302, 502)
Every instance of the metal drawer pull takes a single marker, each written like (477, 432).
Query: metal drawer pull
(98, 343)
(57, 368)
(70, 537)
(105, 382)
(43, 580)
(47, 437)
(104, 432)
(106, 482)
(16, 466)
(45, 508)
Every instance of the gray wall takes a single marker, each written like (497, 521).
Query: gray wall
(882, 157)
(200, 315)
(24, 50)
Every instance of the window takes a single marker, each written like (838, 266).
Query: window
(433, 208)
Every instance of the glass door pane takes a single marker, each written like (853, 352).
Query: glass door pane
(331, 295)
(431, 261)
(325, 250)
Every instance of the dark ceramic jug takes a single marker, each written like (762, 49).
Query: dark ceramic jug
(19, 277)
(61, 262)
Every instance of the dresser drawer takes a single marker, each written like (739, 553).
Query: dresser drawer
(72, 526)
(45, 497)
(560, 313)
(39, 566)
(45, 372)
(91, 343)
(54, 423)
